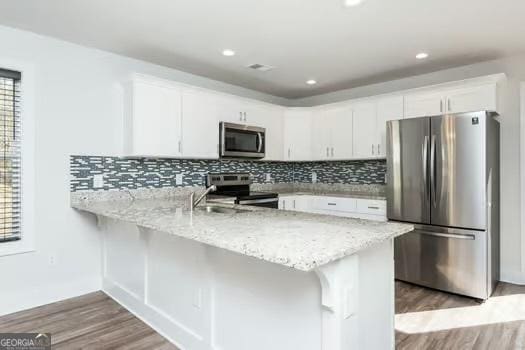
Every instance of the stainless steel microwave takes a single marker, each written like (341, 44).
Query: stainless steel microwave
(241, 141)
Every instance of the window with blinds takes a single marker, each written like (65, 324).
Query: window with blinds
(10, 156)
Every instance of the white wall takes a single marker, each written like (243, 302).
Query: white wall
(514, 68)
(77, 111)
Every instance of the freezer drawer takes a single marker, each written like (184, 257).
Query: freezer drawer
(452, 260)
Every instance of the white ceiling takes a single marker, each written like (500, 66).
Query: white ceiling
(320, 39)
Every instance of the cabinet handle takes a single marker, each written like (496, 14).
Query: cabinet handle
(245, 116)
(327, 151)
(441, 106)
(378, 148)
(240, 116)
(332, 204)
(373, 149)
(332, 151)
(284, 204)
(294, 203)
(449, 108)
(377, 208)
(288, 152)
(180, 147)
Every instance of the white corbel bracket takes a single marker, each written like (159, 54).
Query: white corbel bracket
(339, 287)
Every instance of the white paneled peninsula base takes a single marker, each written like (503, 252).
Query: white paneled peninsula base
(251, 279)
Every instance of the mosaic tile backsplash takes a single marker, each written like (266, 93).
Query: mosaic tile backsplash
(123, 173)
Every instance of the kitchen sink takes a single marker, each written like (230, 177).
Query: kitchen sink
(220, 210)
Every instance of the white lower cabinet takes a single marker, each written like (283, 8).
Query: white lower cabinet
(337, 206)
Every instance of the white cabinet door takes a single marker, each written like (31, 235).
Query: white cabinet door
(424, 104)
(154, 123)
(200, 127)
(273, 121)
(321, 134)
(301, 203)
(297, 134)
(229, 109)
(341, 131)
(473, 99)
(364, 130)
(282, 202)
(387, 108)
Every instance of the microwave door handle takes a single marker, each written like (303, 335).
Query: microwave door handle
(259, 138)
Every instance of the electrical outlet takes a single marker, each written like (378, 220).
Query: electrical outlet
(98, 181)
(179, 179)
(314, 177)
(268, 177)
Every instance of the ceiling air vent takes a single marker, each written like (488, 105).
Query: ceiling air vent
(260, 67)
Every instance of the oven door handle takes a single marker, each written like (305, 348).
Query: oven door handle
(255, 201)
(260, 141)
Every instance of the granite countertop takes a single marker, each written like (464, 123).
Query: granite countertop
(299, 240)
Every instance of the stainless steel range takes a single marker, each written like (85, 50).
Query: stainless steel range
(236, 186)
(443, 176)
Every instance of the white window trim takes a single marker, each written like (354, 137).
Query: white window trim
(27, 243)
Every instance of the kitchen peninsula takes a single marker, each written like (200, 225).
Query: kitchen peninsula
(288, 280)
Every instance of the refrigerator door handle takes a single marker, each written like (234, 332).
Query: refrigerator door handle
(424, 154)
(448, 235)
(433, 169)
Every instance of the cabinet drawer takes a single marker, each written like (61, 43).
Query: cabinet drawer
(373, 207)
(334, 204)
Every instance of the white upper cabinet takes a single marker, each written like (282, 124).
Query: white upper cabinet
(478, 98)
(272, 119)
(332, 133)
(297, 134)
(166, 119)
(200, 126)
(341, 121)
(424, 104)
(229, 109)
(365, 130)
(453, 100)
(321, 134)
(153, 118)
(387, 108)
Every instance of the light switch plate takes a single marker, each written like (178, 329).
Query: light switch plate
(268, 177)
(314, 177)
(179, 179)
(98, 181)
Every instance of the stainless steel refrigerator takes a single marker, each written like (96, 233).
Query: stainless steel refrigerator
(443, 176)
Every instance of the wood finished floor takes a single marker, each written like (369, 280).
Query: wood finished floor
(425, 319)
(428, 319)
(91, 321)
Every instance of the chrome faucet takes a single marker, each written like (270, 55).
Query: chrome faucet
(194, 202)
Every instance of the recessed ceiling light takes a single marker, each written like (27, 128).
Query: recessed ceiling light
(228, 52)
(311, 82)
(422, 55)
(351, 3)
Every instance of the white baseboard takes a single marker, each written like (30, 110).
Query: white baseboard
(514, 277)
(26, 299)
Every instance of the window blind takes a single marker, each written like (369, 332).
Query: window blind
(10, 156)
